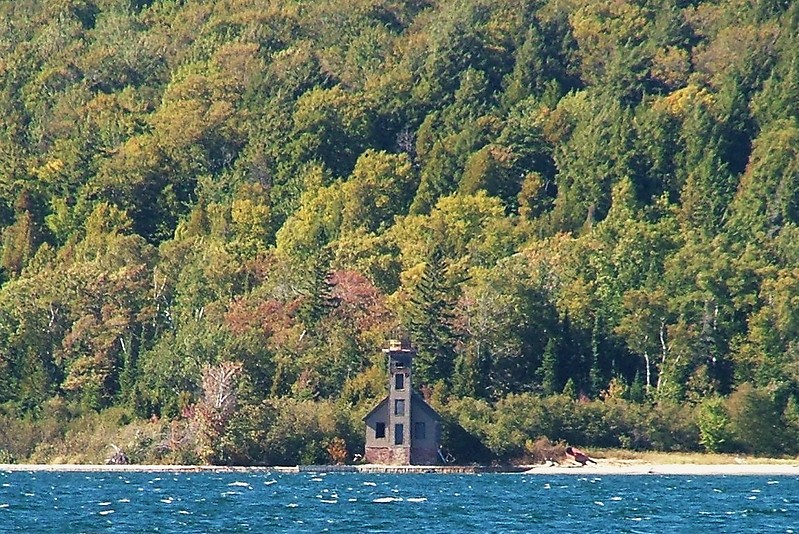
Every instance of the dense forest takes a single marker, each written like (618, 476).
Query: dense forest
(215, 213)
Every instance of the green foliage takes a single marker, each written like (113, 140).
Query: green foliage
(507, 427)
(317, 297)
(756, 420)
(714, 425)
(292, 432)
(379, 189)
(430, 323)
(549, 370)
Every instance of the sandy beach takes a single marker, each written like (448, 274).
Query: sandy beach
(602, 467)
(632, 467)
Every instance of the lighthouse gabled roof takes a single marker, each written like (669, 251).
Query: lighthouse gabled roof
(416, 400)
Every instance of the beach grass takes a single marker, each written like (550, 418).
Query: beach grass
(687, 458)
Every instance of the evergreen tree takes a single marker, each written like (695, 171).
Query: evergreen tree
(317, 294)
(430, 322)
(550, 379)
(596, 377)
(637, 389)
(527, 69)
(570, 390)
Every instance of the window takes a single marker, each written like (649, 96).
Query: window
(399, 381)
(419, 431)
(380, 430)
(399, 407)
(398, 431)
(400, 364)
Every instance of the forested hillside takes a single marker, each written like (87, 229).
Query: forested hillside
(214, 215)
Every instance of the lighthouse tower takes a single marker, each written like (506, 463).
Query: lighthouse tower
(402, 429)
(400, 359)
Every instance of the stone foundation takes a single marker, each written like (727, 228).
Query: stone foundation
(388, 455)
(402, 456)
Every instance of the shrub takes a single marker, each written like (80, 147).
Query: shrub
(337, 451)
(466, 426)
(299, 432)
(756, 420)
(714, 425)
(670, 426)
(6, 457)
(518, 418)
(543, 450)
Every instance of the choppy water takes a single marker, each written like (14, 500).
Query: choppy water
(346, 502)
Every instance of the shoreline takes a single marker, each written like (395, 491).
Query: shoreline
(616, 467)
(603, 467)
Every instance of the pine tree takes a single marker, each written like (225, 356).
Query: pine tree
(637, 389)
(471, 373)
(317, 294)
(550, 381)
(431, 320)
(570, 390)
(21, 239)
(128, 375)
(597, 380)
(529, 71)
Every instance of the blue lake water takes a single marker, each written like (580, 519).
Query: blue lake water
(346, 502)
